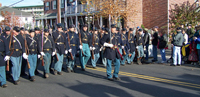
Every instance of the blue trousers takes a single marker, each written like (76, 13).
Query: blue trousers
(71, 62)
(109, 68)
(125, 58)
(130, 59)
(32, 59)
(2, 75)
(94, 61)
(47, 62)
(59, 63)
(155, 52)
(84, 59)
(147, 51)
(162, 52)
(140, 51)
(103, 59)
(16, 68)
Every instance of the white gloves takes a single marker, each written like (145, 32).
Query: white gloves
(136, 47)
(39, 56)
(25, 56)
(54, 53)
(7, 58)
(42, 53)
(81, 47)
(122, 47)
(70, 50)
(101, 49)
(93, 48)
(90, 48)
(66, 51)
(108, 45)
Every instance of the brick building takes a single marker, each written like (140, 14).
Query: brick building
(150, 13)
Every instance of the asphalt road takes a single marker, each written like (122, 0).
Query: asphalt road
(148, 80)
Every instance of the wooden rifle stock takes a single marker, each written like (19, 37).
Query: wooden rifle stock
(124, 52)
(42, 60)
(7, 66)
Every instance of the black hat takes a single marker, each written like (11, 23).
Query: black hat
(113, 26)
(37, 28)
(16, 28)
(123, 29)
(46, 30)
(7, 28)
(179, 28)
(71, 26)
(140, 30)
(85, 25)
(59, 25)
(117, 28)
(65, 29)
(106, 29)
(31, 30)
(22, 28)
(130, 29)
(103, 28)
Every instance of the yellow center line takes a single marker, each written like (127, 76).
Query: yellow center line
(151, 78)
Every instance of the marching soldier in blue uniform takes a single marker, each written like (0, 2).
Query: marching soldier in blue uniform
(37, 35)
(4, 56)
(131, 41)
(61, 48)
(139, 46)
(73, 42)
(17, 50)
(47, 51)
(7, 32)
(125, 46)
(111, 53)
(95, 47)
(104, 30)
(85, 47)
(32, 44)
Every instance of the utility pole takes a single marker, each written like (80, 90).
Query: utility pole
(58, 12)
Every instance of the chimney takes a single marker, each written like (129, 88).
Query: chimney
(0, 5)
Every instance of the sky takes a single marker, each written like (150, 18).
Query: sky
(23, 3)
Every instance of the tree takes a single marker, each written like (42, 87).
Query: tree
(184, 13)
(116, 9)
(10, 19)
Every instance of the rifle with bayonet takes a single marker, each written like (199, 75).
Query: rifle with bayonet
(42, 46)
(93, 39)
(70, 47)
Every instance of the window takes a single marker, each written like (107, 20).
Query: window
(54, 4)
(47, 6)
(62, 4)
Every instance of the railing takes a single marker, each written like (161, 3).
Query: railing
(80, 9)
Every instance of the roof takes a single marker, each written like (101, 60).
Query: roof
(28, 6)
(17, 12)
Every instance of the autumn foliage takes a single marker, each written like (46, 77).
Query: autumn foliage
(117, 9)
(10, 19)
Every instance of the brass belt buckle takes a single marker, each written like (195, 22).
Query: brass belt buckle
(33, 50)
(17, 49)
(47, 49)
